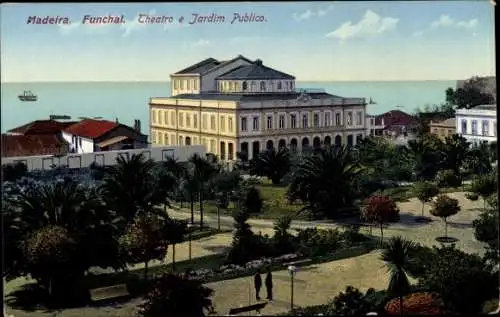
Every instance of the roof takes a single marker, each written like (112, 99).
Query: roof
(208, 65)
(451, 122)
(111, 141)
(395, 117)
(91, 128)
(254, 71)
(252, 97)
(41, 127)
(28, 145)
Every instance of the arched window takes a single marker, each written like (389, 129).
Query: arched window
(262, 86)
(245, 85)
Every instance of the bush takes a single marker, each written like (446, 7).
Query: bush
(472, 196)
(351, 302)
(253, 202)
(317, 242)
(421, 303)
(448, 178)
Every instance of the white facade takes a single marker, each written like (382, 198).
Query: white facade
(477, 124)
(78, 144)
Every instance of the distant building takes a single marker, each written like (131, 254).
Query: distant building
(490, 85)
(395, 123)
(243, 106)
(478, 124)
(50, 137)
(443, 128)
(91, 135)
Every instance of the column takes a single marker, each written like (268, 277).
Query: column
(250, 150)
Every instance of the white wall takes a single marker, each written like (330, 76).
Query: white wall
(84, 145)
(477, 116)
(182, 153)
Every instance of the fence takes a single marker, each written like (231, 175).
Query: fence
(107, 158)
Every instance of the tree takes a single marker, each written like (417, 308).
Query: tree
(144, 241)
(486, 230)
(253, 202)
(326, 182)
(244, 245)
(444, 207)
(203, 171)
(274, 164)
(222, 185)
(380, 209)
(397, 256)
(350, 302)
(14, 171)
(484, 186)
(448, 178)
(282, 239)
(479, 159)
(189, 188)
(454, 151)
(472, 94)
(425, 157)
(174, 232)
(176, 295)
(425, 191)
(462, 280)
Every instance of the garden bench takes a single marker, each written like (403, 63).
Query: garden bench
(255, 307)
(109, 292)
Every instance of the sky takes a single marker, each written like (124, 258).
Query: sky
(314, 41)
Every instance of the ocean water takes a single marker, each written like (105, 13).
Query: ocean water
(129, 100)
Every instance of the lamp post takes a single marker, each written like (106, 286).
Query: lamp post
(189, 226)
(291, 270)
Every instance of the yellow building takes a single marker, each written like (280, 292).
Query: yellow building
(443, 128)
(241, 105)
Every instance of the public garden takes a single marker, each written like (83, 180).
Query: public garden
(186, 239)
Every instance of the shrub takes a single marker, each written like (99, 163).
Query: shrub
(316, 242)
(425, 191)
(448, 178)
(253, 202)
(282, 240)
(472, 196)
(445, 207)
(350, 302)
(422, 303)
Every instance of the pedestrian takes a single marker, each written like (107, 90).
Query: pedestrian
(269, 285)
(257, 280)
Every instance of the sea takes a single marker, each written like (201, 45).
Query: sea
(127, 101)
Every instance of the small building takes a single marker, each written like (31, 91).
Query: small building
(478, 124)
(443, 128)
(14, 145)
(395, 123)
(92, 135)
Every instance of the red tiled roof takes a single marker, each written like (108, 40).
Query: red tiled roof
(90, 128)
(395, 117)
(27, 145)
(41, 127)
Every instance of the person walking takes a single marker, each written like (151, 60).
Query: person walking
(257, 281)
(269, 285)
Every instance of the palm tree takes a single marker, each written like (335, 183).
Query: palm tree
(326, 181)
(203, 171)
(425, 158)
(274, 164)
(454, 152)
(131, 185)
(189, 188)
(479, 158)
(397, 255)
(175, 231)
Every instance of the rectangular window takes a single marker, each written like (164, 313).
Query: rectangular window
(165, 117)
(359, 118)
(327, 119)
(269, 122)
(172, 118)
(153, 116)
(204, 121)
(243, 124)
(464, 126)
(212, 122)
(474, 127)
(349, 118)
(212, 146)
(153, 136)
(230, 124)
(316, 120)
(189, 84)
(195, 121)
(305, 121)
(255, 124)
(165, 141)
(338, 119)
(172, 138)
(196, 84)
(182, 84)
(181, 120)
(222, 123)
(282, 121)
(188, 120)
(160, 117)
(160, 137)
(486, 128)
(293, 121)
(176, 84)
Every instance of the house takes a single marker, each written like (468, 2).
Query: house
(443, 128)
(41, 127)
(28, 145)
(92, 135)
(478, 124)
(394, 123)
